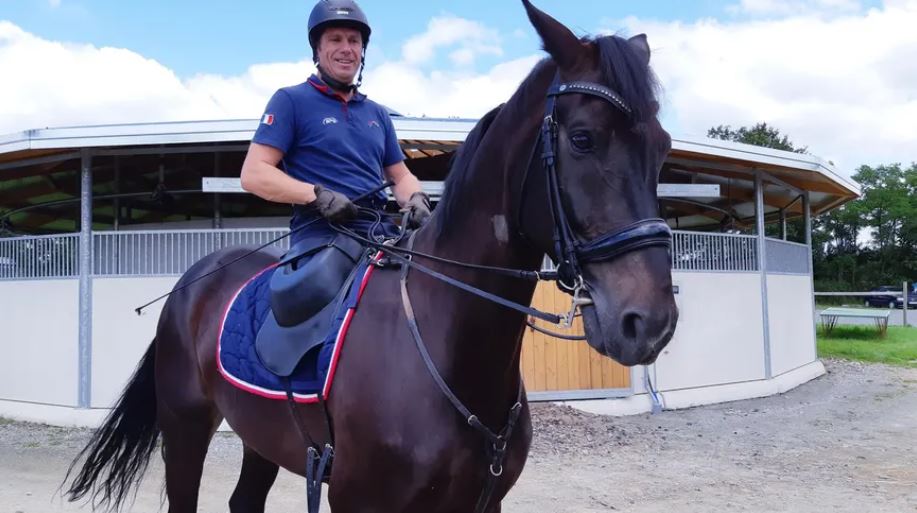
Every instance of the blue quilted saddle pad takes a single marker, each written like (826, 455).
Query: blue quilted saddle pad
(245, 313)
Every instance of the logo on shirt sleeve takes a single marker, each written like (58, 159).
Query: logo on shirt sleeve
(268, 119)
(329, 121)
(373, 123)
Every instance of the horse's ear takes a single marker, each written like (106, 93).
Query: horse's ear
(641, 46)
(558, 40)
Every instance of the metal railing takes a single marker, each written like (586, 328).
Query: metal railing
(718, 252)
(172, 252)
(784, 257)
(39, 257)
(168, 252)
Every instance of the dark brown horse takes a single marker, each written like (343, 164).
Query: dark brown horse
(400, 445)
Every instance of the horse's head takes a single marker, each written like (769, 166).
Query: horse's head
(608, 153)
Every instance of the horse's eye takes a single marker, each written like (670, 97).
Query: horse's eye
(582, 141)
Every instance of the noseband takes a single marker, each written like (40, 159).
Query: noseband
(569, 252)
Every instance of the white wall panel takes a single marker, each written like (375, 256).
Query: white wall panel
(720, 335)
(39, 338)
(119, 336)
(790, 311)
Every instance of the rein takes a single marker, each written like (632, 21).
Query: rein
(497, 442)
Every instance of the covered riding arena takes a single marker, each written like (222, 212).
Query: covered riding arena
(99, 220)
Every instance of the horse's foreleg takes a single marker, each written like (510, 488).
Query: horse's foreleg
(255, 481)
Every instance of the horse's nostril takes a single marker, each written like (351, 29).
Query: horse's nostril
(632, 325)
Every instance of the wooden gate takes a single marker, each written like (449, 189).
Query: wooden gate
(553, 365)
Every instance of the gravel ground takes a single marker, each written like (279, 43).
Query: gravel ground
(842, 443)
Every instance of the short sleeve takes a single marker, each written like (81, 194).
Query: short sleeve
(393, 153)
(278, 123)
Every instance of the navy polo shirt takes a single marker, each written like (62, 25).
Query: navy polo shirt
(341, 145)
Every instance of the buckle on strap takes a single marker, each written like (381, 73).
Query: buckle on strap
(548, 137)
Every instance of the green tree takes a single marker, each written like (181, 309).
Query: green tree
(888, 208)
(885, 215)
(759, 135)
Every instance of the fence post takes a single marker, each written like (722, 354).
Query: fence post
(904, 299)
(84, 392)
(762, 268)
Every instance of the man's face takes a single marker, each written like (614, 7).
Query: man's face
(339, 53)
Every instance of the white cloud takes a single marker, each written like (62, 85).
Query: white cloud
(471, 38)
(48, 83)
(842, 85)
(413, 92)
(54, 3)
(794, 7)
(846, 86)
(82, 84)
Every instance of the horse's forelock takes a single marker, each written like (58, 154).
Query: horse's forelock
(625, 70)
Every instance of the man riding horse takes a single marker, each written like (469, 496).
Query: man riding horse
(334, 143)
(428, 412)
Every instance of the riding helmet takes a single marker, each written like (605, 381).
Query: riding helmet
(338, 13)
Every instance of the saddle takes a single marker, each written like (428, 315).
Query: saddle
(306, 290)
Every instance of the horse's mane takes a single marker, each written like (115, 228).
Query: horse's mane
(621, 67)
(449, 205)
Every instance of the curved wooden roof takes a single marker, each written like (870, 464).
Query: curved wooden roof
(39, 173)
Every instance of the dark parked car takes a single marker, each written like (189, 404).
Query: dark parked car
(884, 301)
(911, 299)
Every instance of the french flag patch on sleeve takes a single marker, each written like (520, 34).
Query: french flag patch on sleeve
(268, 119)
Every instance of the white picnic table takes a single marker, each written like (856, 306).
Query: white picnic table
(830, 316)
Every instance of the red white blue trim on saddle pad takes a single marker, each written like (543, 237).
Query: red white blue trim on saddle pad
(242, 319)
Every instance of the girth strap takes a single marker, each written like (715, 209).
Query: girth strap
(316, 465)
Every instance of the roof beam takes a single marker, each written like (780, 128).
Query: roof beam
(38, 161)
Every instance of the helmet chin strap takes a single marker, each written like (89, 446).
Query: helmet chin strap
(339, 86)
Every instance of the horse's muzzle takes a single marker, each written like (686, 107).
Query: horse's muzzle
(630, 338)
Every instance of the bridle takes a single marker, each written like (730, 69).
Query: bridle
(569, 252)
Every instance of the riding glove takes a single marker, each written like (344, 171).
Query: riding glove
(333, 206)
(418, 209)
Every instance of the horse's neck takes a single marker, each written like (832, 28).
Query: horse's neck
(477, 342)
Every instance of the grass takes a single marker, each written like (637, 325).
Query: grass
(863, 343)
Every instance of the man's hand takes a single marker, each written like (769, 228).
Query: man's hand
(418, 208)
(333, 206)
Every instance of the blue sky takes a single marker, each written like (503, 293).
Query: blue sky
(837, 76)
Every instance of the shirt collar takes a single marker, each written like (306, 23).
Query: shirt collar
(326, 90)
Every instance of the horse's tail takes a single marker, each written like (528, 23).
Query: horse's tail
(118, 453)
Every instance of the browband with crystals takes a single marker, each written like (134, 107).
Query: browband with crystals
(592, 89)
